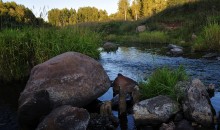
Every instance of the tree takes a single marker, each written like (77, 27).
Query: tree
(136, 8)
(123, 8)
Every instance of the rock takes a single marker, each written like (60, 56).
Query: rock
(98, 122)
(126, 84)
(67, 79)
(169, 126)
(115, 100)
(193, 36)
(211, 56)
(176, 51)
(155, 110)
(109, 46)
(31, 111)
(65, 118)
(140, 28)
(184, 125)
(70, 78)
(172, 46)
(196, 103)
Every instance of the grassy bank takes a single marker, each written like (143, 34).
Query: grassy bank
(162, 82)
(21, 49)
(177, 24)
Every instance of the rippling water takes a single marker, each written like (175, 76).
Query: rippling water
(139, 63)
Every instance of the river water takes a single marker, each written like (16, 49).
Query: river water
(135, 62)
(139, 62)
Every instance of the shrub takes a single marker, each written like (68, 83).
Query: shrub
(162, 82)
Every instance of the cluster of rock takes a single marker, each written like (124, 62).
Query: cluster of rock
(60, 91)
(194, 110)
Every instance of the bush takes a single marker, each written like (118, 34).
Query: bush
(20, 50)
(162, 82)
(209, 40)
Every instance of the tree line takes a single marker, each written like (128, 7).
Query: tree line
(63, 17)
(126, 11)
(15, 15)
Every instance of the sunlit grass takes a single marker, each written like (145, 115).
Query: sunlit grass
(21, 49)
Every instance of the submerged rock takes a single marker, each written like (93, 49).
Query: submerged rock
(99, 122)
(65, 118)
(155, 110)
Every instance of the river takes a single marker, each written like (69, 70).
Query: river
(135, 62)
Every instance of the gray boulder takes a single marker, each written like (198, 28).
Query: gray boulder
(67, 79)
(65, 118)
(141, 28)
(109, 46)
(196, 103)
(155, 110)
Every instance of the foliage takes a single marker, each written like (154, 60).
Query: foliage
(209, 38)
(20, 50)
(13, 15)
(66, 17)
(163, 82)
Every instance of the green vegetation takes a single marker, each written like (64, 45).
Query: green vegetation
(209, 39)
(21, 49)
(162, 82)
(144, 37)
(13, 15)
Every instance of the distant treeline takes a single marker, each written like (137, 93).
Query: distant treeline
(15, 15)
(65, 16)
(126, 11)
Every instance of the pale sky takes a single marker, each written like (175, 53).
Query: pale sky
(37, 5)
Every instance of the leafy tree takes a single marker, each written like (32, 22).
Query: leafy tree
(123, 8)
(136, 9)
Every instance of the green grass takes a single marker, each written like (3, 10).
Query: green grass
(162, 82)
(144, 37)
(209, 39)
(21, 49)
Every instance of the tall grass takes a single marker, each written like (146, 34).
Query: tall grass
(21, 49)
(162, 82)
(209, 39)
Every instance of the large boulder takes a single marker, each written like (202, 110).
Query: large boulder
(155, 110)
(196, 103)
(174, 49)
(66, 118)
(67, 79)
